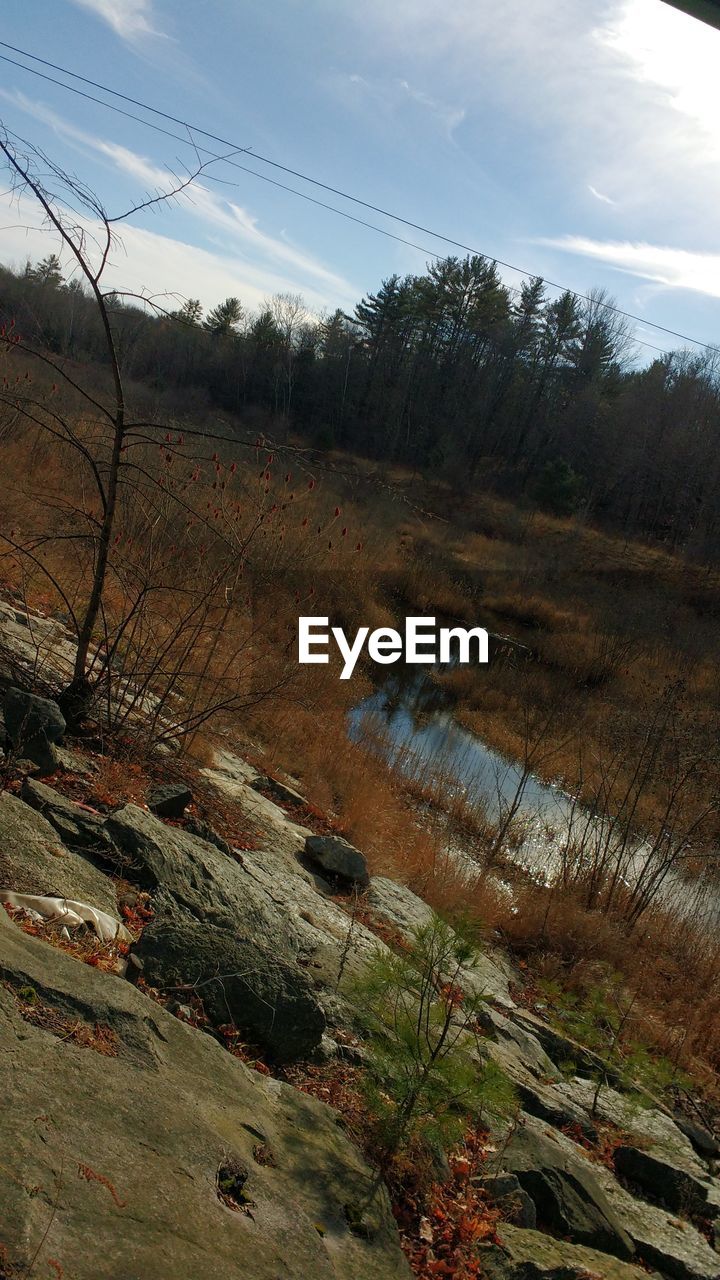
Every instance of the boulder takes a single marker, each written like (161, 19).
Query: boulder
(33, 860)
(163, 1155)
(32, 725)
(170, 800)
(238, 980)
(561, 1181)
(338, 858)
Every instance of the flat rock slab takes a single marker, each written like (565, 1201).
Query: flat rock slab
(529, 1255)
(33, 860)
(117, 1158)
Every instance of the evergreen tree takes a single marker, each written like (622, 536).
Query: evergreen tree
(225, 318)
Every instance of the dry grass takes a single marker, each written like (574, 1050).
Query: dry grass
(609, 625)
(677, 1009)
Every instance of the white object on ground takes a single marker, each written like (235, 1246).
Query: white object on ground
(71, 913)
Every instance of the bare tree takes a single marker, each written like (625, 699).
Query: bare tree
(87, 234)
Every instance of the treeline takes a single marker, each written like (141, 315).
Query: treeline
(449, 372)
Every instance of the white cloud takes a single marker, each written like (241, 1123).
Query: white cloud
(599, 195)
(449, 117)
(210, 209)
(620, 94)
(146, 262)
(673, 53)
(674, 268)
(391, 96)
(129, 19)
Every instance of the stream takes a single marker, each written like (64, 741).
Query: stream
(408, 722)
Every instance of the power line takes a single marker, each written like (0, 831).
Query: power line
(196, 129)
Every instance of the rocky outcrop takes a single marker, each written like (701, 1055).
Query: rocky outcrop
(530, 1255)
(561, 1182)
(34, 860)
(170, 1124)
(569, 1190)
(661, 1239)
(162, 1155)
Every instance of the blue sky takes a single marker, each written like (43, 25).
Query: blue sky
(577, 138)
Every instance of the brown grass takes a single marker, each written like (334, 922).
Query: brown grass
(609, 626)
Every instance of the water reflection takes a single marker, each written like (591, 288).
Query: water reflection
(408, 720)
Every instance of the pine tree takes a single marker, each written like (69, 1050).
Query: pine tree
(225, 318)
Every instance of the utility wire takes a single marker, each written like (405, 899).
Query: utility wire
(196, 129)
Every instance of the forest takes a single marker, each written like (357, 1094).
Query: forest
(450, 373)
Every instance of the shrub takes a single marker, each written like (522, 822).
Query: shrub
(424, 1079)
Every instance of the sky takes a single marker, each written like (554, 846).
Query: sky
(576, 139)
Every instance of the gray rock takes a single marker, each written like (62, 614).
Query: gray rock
(488, 975)
(75, 762)
(704, 1142)
(338, 858)
(657, 1130)
(568, 1197)
(77, 827)
(530, 1255)
(398, 905)
(182, 870)
(506, 1193)
(561, 1048)
(665, 1180)
(32, 725)
(547, 1099)
(658, 1238)
(110, 1163)
(170, 800)
(218, 931)
(33, 860)
(661, 1240)
(239, 982)
(525, 1046)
